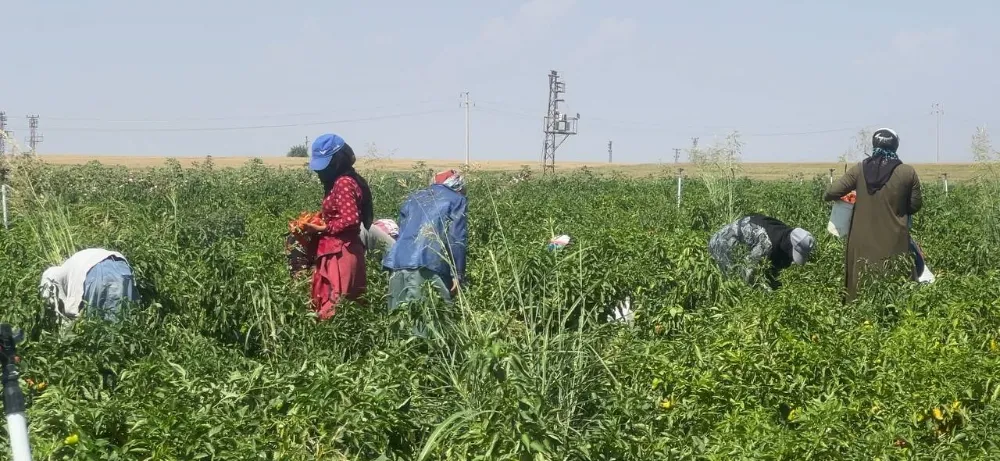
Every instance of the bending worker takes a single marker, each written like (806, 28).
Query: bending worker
(383, 232)
(762, 237)
(432, 241)
(94, 279)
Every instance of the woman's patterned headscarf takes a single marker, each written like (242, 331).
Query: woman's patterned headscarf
(451, 179)
(879, 167)
(885, 142)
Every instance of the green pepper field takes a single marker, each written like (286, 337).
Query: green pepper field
(223, 360)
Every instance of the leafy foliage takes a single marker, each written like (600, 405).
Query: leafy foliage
(298, 150)
(222, 359)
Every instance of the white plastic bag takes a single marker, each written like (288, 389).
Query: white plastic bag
(926, 276)
(840, 219)
(623, 313)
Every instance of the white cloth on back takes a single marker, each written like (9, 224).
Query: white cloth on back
(65, 282)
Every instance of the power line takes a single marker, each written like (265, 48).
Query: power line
(659, 128)
(796, 133)
(253, 127)
(618, 124)
(506, 112)
(653, 128)
(235, 117)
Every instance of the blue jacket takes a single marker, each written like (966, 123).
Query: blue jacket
(432, 227)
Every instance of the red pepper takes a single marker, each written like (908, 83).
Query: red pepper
(298, 224)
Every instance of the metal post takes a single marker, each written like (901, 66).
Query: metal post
(944, 176)
(468, 140)
(558, 126)
(937, 112)
(3, 191)
(831, 175)
(937, 141)
(13, 398)
(3, 132)
(17, 430)
(680, 186)
(34, 138)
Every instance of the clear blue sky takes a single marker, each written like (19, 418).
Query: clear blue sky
(648, 75)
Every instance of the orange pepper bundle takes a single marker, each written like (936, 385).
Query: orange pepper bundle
(850, 198)
(298, 224)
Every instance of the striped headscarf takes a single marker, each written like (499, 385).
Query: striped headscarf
(451, 179)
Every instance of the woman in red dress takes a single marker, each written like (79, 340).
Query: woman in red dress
(347, 205)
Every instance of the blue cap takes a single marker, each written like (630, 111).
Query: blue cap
(323, 150)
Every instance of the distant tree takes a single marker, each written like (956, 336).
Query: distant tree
(298, 150)
(862, 145)
(982, 147)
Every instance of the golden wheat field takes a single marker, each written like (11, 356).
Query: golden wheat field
(955, 171)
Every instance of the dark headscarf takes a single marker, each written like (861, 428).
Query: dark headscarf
(342, 164)
(879, 167)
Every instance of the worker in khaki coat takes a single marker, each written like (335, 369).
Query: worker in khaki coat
(888, 192)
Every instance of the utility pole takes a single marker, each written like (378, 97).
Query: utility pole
(3, 132)
(34, 138)
(609, 151)
(694, 143)
(556, 124)
(677, 155)
(468, 104)
(937, 112)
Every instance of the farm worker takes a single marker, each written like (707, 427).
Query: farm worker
(558, 243)
(95, 280)
(347, 206)
(763, 237)
(382, 231)
(888, 192)
(432, 241)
